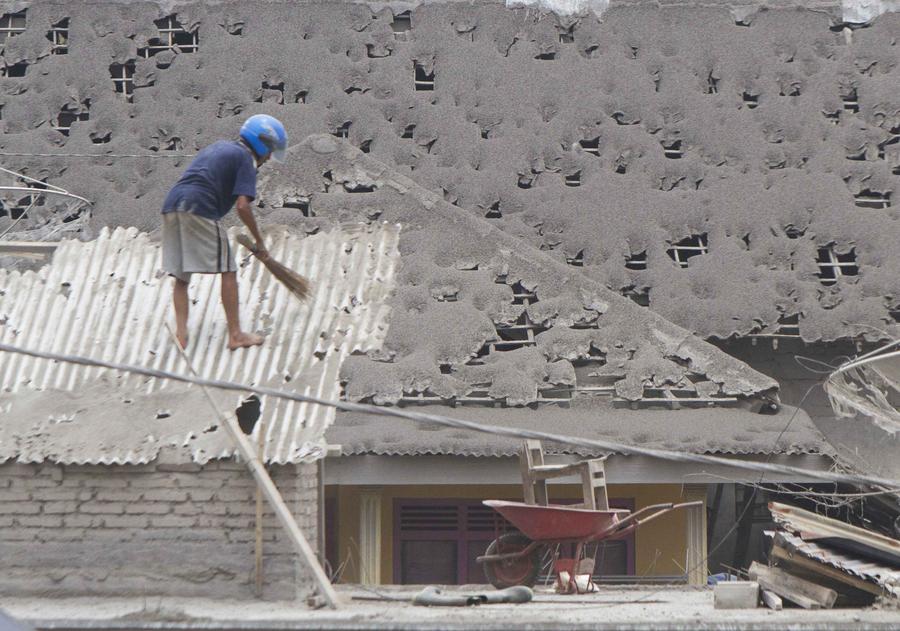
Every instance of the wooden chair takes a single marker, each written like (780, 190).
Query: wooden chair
(535, 474)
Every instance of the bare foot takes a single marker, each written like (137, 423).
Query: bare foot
(243, 340)
(182, 337)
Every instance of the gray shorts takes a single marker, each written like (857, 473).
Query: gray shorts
(192, 244)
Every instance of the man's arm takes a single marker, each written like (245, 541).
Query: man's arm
(245, 212)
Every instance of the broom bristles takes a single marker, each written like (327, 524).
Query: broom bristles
(295, 283)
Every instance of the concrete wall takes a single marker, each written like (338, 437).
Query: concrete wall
(660, 546)
(185, 530)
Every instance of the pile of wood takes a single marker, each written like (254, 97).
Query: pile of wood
(818, 562)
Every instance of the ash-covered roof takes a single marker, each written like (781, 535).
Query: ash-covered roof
(761, 148)
(107, 299)
(481, 317)
(716, 431)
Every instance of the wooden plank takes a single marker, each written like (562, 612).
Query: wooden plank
(259, 517)
(27, 248)
(771, 600)
(802, 592)
(811, 565)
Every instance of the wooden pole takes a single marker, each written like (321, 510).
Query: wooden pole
(268, 489)
(259, 516)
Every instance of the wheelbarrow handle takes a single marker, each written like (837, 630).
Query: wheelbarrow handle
(632, 521)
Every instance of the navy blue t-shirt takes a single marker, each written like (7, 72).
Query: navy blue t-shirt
(213, 181)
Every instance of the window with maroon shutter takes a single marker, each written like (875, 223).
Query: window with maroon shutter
(437, 541)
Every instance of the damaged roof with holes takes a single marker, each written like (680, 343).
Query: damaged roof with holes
(730, 432)
(493, 326)
(107, 299)
(745, 160)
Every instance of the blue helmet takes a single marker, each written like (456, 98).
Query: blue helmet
(265, 134)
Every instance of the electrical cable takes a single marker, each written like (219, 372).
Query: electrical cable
(446, 421)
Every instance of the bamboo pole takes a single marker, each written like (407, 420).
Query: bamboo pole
(268, 489)
(259, 516)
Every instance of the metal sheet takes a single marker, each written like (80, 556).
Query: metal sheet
(107, 299)
(813, 527)
(886, 577)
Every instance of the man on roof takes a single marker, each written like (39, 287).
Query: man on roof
(193, 240)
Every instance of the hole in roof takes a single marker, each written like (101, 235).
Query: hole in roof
(672, 150)
(872, 199)
(639, 297)
(423, 81)
(248, 413)
(636, 261)
(401, 25)
(577, 260)
(682, 251)
(833, 265)
(591, 145)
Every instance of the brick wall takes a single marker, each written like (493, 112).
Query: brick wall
(186, 530)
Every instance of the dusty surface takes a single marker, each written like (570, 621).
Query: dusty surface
(768, 159)
(617, 608)
(456, 298)
(705, 431)
(107, 299)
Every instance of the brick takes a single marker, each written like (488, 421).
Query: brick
(60, 535)
(241, 508)
(188, 509)
(19, 508)
(197, 495)
(185, 534)
(38, 483)
(5, 522)
(117, 495)
(165, 495)
(82, 521)
(143, 508)
(111, 481)
(57, 494)
(227, 495)
(55, 508)
(126, 521)
(39, 521)
(152, 481)
(172, 521)
(19, 534)
(102, 508)
(14, 495)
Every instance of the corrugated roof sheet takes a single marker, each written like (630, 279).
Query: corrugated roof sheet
(710, 430)
(813, 527)
(886, 577)
(107, 299)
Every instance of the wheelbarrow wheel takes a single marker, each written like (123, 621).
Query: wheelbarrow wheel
(511, 572)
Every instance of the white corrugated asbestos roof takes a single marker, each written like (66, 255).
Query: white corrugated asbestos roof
(108, 299)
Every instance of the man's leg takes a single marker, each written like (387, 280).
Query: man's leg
(236, 337)
(181, 302)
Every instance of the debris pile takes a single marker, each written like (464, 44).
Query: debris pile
(819, 562)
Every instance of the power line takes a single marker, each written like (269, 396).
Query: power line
(446, 421)
(96, 155)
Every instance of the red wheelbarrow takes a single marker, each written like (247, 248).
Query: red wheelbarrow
(514, 558)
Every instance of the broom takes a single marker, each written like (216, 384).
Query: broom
(295, 283)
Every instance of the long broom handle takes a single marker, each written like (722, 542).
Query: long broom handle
(268, 488)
